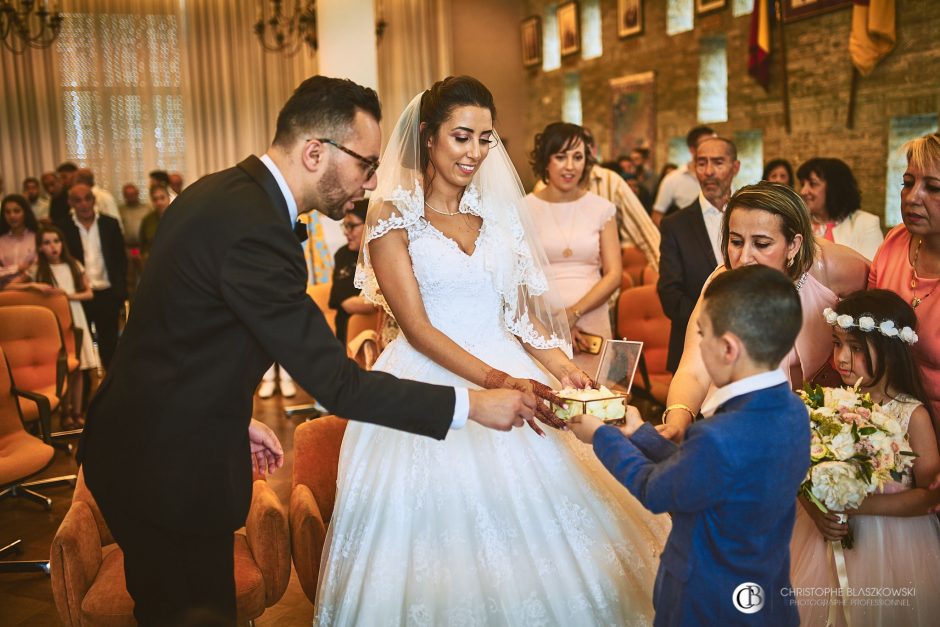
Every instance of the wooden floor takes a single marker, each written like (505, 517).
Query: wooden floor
(26, 599)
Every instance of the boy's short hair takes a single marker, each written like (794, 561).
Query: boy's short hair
(761, 306)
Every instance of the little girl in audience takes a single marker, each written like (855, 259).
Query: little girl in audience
(58, 271)
(896, 554)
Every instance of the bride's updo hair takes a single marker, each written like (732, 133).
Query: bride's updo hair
(439, 102)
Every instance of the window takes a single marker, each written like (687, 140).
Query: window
(901, 131)
(743, 7)
(713, 80)
(123, 109)
(591, 45)
(750, 145)
(551, 47)
(679, 16)
(571, 102)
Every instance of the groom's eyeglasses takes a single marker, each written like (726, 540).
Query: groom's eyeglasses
(371, 164)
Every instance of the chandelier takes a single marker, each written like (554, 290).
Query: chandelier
(23, 28)
(279, 32)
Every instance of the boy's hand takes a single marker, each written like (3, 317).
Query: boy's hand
(584, 426)
(633, 421)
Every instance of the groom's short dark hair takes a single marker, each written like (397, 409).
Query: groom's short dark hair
(324, 107)
(761, 306)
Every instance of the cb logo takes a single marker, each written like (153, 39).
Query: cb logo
(748, 598)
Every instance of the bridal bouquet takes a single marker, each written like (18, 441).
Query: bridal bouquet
(856, 447)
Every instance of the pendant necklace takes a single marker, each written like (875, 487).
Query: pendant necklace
(916, 300)
(567, 252)
(443, 213)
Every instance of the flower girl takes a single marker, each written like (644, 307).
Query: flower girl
(891, 574)
(57, 270)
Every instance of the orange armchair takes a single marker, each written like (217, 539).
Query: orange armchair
(57, 304)
(32, 341)
(316, 457)
(634, 261)
(87, 567)
(640, 317)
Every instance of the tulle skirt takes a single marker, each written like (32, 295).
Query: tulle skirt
(893, 572)
(485, 527)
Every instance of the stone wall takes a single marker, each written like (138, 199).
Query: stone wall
(907, 82)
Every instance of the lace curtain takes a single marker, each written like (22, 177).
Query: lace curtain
(135, 85)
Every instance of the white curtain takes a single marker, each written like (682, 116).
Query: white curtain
(414, 51)
(31, 139)
(233, 88)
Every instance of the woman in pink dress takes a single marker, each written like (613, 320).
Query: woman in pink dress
(18, 229)
(908, 262)
(768, 224)
(579, 233)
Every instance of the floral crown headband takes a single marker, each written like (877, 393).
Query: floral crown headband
(867, 324)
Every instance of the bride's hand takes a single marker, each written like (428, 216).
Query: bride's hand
(577, 342)
(574, 377)
(541, 392)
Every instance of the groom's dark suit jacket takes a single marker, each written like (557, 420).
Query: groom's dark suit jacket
(222, 297)
(686, 260)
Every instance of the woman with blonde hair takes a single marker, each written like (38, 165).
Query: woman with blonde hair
(768, 224)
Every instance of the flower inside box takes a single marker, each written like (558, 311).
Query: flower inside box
(609, 406)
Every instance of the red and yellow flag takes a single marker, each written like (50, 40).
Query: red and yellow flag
(758, 61)
(873, 33)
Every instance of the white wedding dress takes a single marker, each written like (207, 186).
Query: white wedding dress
(485, 527)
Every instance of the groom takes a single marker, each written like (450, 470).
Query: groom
(169, 435)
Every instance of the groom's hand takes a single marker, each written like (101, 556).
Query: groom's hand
(267, 455)
(501, 409)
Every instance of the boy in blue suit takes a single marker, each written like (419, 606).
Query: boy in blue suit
(731, 485)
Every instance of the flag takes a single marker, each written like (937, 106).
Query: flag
(873, 33)
(758, 60)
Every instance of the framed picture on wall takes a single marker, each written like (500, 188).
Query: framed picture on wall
(531, 30)
(569, 31)
(798, 9)
(629, 17)
(704, 6)
(633, 113)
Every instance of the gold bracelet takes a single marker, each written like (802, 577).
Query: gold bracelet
(577, 313)
(678, 406)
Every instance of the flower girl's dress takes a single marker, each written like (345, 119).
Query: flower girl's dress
(897, 558)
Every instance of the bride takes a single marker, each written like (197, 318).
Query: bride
(484, 527)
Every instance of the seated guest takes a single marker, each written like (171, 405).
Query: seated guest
(95, 241)
(160, 199)
(38, 202)
(691, 240)
(344, 295)
(18, 228)
(729, 486)
(831, 194)
(779, 171)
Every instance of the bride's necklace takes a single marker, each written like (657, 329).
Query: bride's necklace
(916, 300)
(443, 213)
(567, 252)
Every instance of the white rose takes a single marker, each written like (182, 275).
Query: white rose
(843, 445)
(907, 335)
(831, 316)
(837, 486)
(866, 323)
(845, 321)
(887, 328)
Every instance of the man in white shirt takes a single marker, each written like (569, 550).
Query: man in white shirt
(95, 240)
(680, 187)
(691, 239)
(33, 193)
(104, 200)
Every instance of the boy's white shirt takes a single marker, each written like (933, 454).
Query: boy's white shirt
(740, 387)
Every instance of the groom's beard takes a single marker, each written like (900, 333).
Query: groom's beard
(333, 198)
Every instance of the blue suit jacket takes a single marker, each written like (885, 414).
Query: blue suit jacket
(731, 489)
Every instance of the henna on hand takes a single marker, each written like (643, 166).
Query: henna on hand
(495, 379)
